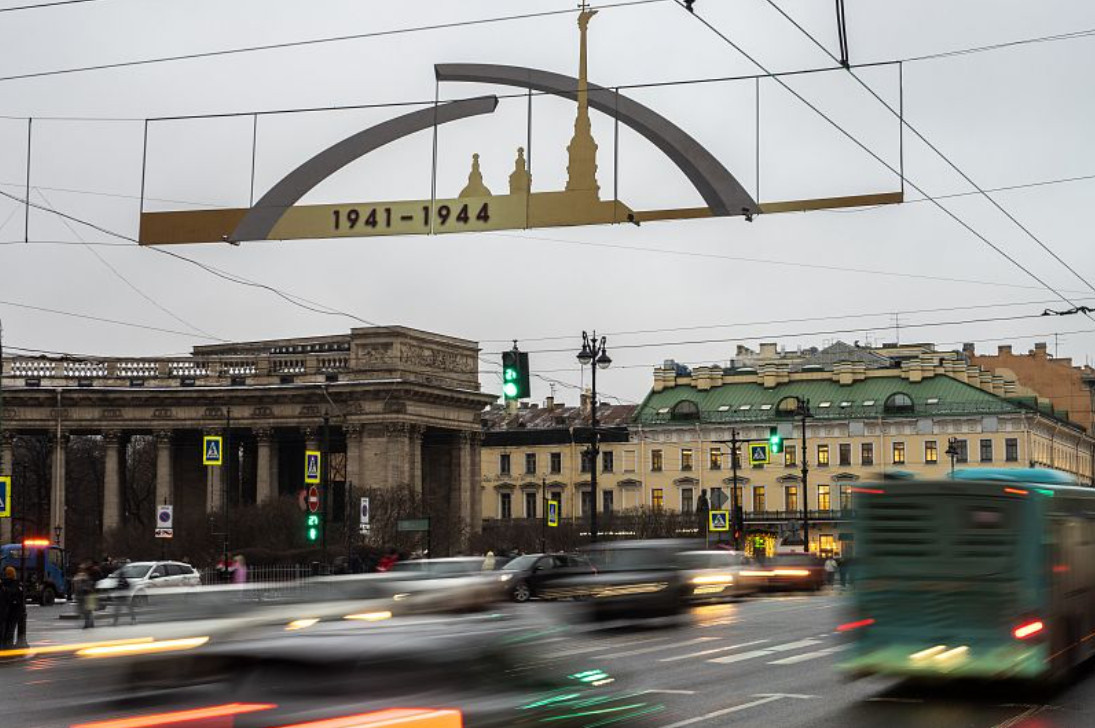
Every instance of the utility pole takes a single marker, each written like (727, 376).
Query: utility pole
(735, 527)
(543, 518)
(804, 412)
(227, 457)
(324, 469)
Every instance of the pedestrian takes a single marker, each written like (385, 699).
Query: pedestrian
(830, 570)
(388, 560)
(84, 589)
(488, 561)
(842, 569)
(13, 611)
(239, 570)
(122, 598)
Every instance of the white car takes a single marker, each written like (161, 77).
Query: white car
(142, 576)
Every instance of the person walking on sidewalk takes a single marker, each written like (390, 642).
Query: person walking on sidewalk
(84, 588)
(13, 611)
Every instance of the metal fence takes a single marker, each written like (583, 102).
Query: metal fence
(262, 574)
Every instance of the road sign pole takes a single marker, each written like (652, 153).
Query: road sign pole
(324, 496)
(735, 527)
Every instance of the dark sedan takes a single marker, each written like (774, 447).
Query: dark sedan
(528, 576)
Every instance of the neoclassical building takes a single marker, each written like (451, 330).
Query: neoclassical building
(402, 406)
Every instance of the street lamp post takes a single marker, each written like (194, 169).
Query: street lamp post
(594, 355)
(802, 410)
(952, 451)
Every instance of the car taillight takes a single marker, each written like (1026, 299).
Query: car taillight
(1028, 629)
(849, 626)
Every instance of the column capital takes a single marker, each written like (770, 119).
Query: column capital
(111, 437)
(212, 431)
(163, 437)
(65, 438)
(7, 439)
(471, 437)
(396, 429)
(417, 432)
(353, 430)
(310, 433)
(263, 434)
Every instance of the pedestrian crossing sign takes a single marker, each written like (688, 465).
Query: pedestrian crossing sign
(212, 450)
(311, 467)
(758, 453)
(718, 521)
(553, 513)
(5, 496)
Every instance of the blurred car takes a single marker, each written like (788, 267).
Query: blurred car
(632, 579)
(790, 572)
(141, 576)
(527, 576)
(720, 574)
(462, 583)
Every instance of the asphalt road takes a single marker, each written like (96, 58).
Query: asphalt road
(761, 662)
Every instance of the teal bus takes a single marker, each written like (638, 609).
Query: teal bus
(987, 574)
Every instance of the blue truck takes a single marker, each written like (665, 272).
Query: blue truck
(40, 566)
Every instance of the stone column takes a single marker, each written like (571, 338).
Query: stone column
(475, 525)
(414, 454)
(461, 480)
(7, 463)
(311, 440)
(57, 506)
(265, 490)
(374, 457)
(165, 483)
(112, 484)
(398, 453)
(353, 456)
(214, 479)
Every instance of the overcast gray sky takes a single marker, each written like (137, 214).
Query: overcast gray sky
(1009, 117)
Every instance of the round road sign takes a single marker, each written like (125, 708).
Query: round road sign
(313, 499)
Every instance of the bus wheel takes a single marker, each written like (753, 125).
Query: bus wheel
(48, 596)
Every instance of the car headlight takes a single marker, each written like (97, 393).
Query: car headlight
(505, 577)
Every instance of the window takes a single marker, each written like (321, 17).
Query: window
(866, 453)
(587, 498)
(758, 498)
(587, 461)
(505, 505)
(556, 462)
(787, 407)
(686, 409)
(607, 461)
(686, 500)
(530, 505)
(503, 463)
(899, 453)
(606, 501)
(845, 497)
(791, 497)
(530, 463)
(686, 458)
(657, 498)
(823, 456)
(845, 454)
(790, 455)
(899, 403)
(1011, 449)
(962, 448)
(986, 451)
(656, 460)
(931, 452)
(826, 544)
(716, 458)
(823, 501)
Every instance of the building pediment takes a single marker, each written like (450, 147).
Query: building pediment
(845, 477)
(742, 480)
(629, 483)
(686, 482)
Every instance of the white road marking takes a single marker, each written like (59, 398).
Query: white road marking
(763, 699)
(714, 651)
(608, 646)
(795, 659)
(645, 650)
(670, 692)
(767, 651)
(1016, 719)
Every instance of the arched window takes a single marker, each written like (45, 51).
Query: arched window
(686, 409)
(787, 407)
(898, 403)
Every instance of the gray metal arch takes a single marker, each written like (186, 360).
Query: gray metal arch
(721, 191)
(264, 215)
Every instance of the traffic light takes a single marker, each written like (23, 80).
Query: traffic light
(311, 527)
(775, 440)
(515, 374)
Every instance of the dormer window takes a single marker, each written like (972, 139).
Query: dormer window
(899, 403)
(686, 410)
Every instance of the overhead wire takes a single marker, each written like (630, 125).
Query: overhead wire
(313, 41)
(851, 137)
(999, 46)
(916, 132)
(40, 6)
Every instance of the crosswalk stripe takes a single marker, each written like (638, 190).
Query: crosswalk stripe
(765, 652)
(795, 659)
(645, 650)
(601, 647)
(714, 651)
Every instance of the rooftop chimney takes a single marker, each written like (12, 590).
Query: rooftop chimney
(549, 403)
(1003, 349)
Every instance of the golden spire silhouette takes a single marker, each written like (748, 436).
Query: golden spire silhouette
(582, 150)
(520, 181)
(475, 186)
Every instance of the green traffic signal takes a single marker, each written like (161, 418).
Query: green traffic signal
(775, 441)
(312, 527)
